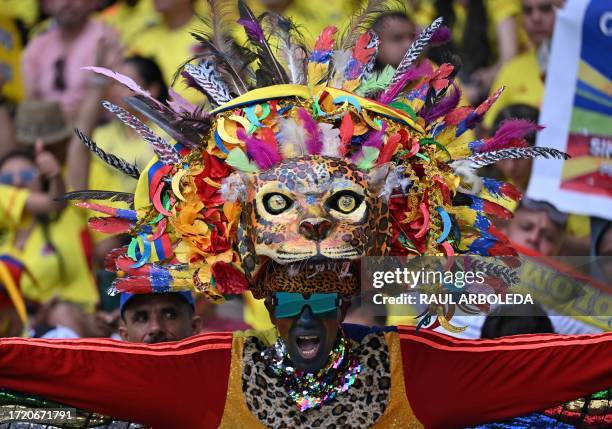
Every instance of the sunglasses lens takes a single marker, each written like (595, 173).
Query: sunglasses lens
(289, 304)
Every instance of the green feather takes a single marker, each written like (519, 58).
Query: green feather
(370, 155)
(238, 159)
(376, 83)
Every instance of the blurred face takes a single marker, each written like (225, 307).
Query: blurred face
(309, 338)
(517, 170)
(20, 173)
(70, 13)
(535, 230)
(158, 318)
(539, 20)
(396, 35)
(165, 6)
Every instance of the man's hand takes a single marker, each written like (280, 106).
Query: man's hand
(47, 164)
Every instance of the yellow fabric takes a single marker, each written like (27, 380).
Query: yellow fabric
(6, 279)
(170, 49)
(236, 413)
(522, 79)
(398, 413)
(25, 10)
(256, 313)
(578, 226)
(77, 284)
(130, 21)
(10, 59)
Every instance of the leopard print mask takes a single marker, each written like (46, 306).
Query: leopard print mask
(306, 223)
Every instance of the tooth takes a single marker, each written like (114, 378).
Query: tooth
(292, 270)
(318, 269)
(345, 269)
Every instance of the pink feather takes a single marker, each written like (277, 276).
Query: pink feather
(416, 72)
(122, 79)
(510, 133)
(179, 104)
(375, 139)
(314, 142)
(263, 154)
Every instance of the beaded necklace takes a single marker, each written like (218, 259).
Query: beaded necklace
(312, 389)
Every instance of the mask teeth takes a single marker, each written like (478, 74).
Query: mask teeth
(292, 270)
(317, 269)
(346, 266)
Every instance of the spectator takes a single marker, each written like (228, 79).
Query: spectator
(539, 226)
(523, 76)
(157, 317)
(170, 43)
(396, 32)
(130, 18)
(516, 319)
(601, 249)
(51, 240)
(52, 61)
(485, 35)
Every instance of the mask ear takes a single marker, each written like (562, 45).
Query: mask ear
(382, 179)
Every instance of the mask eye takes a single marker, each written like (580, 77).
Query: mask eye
(345, 201)
(276, 203)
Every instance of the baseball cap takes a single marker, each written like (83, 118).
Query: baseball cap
(126, 297)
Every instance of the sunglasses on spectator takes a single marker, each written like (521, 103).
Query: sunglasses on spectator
(25, 177)
(543, 8)
(59, 81)
(290, 304)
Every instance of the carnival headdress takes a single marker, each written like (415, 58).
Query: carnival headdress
(282, 113)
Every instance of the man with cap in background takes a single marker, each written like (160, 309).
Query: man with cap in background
(158, 317)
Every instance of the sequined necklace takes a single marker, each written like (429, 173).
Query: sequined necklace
(312, 389)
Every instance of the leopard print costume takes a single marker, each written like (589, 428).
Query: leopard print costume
(361, 406)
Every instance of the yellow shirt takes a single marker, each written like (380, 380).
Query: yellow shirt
(25, 10)
(130, 21)
(64, 272)
(10, 60)
(170, 49)
(522, 79)
(116, 138)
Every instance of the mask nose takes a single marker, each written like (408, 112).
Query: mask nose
(315, 229)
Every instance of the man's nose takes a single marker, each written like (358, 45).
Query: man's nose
(315, 229)
(306, 319)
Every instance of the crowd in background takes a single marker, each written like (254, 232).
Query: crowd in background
(45, 94)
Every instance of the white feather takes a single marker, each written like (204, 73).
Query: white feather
(331, 140)
(341, 58)
(292, 138)
(470, 183)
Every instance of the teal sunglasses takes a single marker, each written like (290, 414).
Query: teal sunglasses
(290, 304)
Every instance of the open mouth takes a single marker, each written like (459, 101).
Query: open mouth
(308, 345)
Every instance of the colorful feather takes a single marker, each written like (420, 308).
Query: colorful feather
(111, 211)
(291, 52)
(320, 57)
(376, 138)
(443, 106)
(476, 115)
(239, 160)
(331, 140)
(441, 36)
(263, 154)
(376, 83)
(292, 138)
(487, 158)
(110, 225)
(207, 78)
(115, 162)
(347, 129)
(362, 21)
(398, 81)
(362, 60)
(164, 150)
(99, 195)
(270, 72)
(508, 133)
(166, 119)
(313, 142)
(412, 74)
